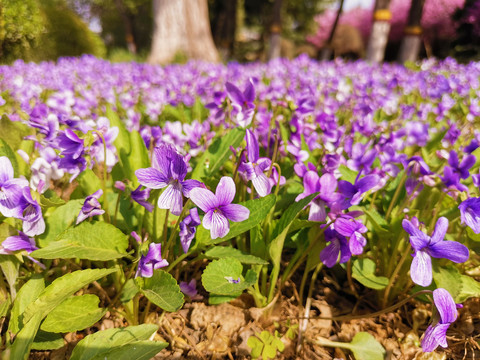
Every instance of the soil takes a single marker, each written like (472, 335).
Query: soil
(202, 331)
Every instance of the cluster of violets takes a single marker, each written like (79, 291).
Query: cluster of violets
(330, 110)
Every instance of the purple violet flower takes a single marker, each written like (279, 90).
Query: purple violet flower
(353, 194)
(242, 102)
(470, 213)
(338, 245)
(188, 228)
(11, 190)
(141, 197)
(353, 229)
(18, 242)
(456, 171)
(426, 247)
(190, 288)
(447, 311)
(256, 166)
(91, 206)
(152, 261)
(218, 207)
(33, 223)
(168, 171)
(326, 186)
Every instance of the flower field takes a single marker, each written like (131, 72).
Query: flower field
(293, 209)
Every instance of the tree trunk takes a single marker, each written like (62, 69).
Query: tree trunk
(380, 29)
(412, 39)
(128, 23)
(274, 50)
(225, 28)
(327, 49)
(181, 27)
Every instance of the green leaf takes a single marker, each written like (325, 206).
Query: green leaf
(13, 132)
(6, 150)
(470, 288)
(280, 231)
(219, 276)
(461, 287)
(290, 214)
(138, 350)
(259, 209)
(10, 265)
(89, 182)
(59, 220)
(50, 199)
(97, 241)
(138, 157)
(61, 289)
(129, 291)
(215, 299)
(27, 295)
(75, 313)
(101, 343)
(347, 174)
(449, 278)
(24, 340)
(218, 252)
(122, 141)
(363, 270)
(365, 346)
(47, 341)
(217, 154)
(162, 290)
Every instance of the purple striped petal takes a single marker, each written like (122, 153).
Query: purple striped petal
(421, 269)
(235, 212)
(262, 185)
(234, 93)
(252, 147)
(434, 336)
(329, 255)
(225, 191)
(317, 211)
(451, 250)
(344, 227)
(151, 178)
(441, 228)
(311, 182)
(172, 199)
(188, 185)
(445, 305)
(249, 93)
(6, 169)
(411, 229)
(203, 198)
(220, 226)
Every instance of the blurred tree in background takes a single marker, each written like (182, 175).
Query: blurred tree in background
(44, 30)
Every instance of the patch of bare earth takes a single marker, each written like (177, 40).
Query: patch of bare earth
(201, 331)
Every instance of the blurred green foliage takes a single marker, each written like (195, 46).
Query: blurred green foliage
(35, 30)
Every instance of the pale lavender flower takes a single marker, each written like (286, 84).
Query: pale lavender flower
(152, 261)
(141, 197)
(33, 223)
(168, 171)
(188, 228)
(17, 243)
(353, 229)
(326, 186)
(11, 190)
(256, 166)
(91, 207)
(242, 102)
(470, 214)
(218, 207)
(190, 288)
(338, 245)
(425, 246)
(436, 334)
